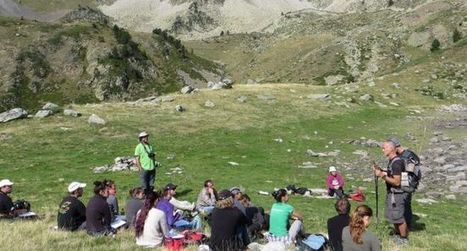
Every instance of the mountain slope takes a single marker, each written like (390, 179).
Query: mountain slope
(84, 59)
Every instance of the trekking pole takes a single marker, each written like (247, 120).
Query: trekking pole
(377, 195)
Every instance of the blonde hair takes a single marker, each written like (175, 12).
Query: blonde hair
(228, 202)
(357, 225)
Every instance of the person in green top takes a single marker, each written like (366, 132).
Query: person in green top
(146, 162)
(281, 213)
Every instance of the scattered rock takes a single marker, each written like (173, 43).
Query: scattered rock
(96, 120)
(233, 163)
(224, 84)
(426, 201)
(51, 107)
(5, 136)
(279, 140)
(361, 153)
(180, 108)
(266, 97)
(366, 98)
(120, 164)
(450, 197)
(334, 79)
(324, 97)
(187, 89)
(242, 99)
(164, 99)
(43, 113)
(307, 165)
(72, 113)
(16, 113)
(209, 104)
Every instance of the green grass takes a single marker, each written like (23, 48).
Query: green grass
(42, 158)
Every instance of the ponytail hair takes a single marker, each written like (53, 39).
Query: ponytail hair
(149, 203)
(279, 194)
(357, 225)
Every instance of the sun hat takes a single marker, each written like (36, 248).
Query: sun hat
(332, 169)
(5, 182)
(75, 185)
(143, 134)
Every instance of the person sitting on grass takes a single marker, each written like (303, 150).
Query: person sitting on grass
(335, 183)
(355, 236)
(7, 209)
(281, 213)
(337, 223)
(255, 215)
(133, 205)
(150, 223)
(72, 212)
(98, 215)
(226, 220)
(174, 219)
(207, 198)
(112, 198)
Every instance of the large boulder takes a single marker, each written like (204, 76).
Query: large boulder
(51, 107)
(187, 89)
(96, 120)
(16, 113)
(43, 113)
(72, 113)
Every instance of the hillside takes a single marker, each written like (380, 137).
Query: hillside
(83, 58)
(309, 47)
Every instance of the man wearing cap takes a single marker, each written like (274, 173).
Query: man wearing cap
(146, 161)
(6, 204)
(335, 183)
(410, 157)
(174, 219)
(72, 212)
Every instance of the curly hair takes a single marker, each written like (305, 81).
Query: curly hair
(149, 203)
(357, 225)
(225, 203)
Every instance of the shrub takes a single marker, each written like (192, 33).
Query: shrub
(435, 45)
(456, 35)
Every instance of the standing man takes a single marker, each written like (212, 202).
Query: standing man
(6, 204)
(410, 158)
(72, 212)
(146, 162)
(395, 197)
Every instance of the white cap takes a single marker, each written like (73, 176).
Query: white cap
(75, 185)
(332, 169)
(5, 182)
(143, 134)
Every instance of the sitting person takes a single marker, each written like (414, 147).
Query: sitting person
(98, 215)
(335, 183)
(337, 223)
(255, 215)
(150, 223)
(133, 205)
(281, 213)
(174, 219)
(8, 208)
(225, 222)
(72, 212)
(207, 198)
(112, 198)
(355, 236)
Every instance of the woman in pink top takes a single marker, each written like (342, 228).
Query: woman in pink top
(335, 183)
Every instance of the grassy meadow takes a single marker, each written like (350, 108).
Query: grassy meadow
(42, 156)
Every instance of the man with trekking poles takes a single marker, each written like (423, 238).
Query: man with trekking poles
(401, 178)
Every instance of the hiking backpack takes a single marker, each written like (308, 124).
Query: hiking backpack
(411, 176)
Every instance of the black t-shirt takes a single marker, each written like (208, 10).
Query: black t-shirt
(71, 213)
(224, 225)
(98, 216)
(395, 167)
(335, 226)
(6, 204)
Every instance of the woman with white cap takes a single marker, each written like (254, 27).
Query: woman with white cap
(335, 183)
(146, 162)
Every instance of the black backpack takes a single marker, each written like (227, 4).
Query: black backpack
(412, 173)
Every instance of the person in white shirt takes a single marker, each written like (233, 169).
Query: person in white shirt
(151, 224)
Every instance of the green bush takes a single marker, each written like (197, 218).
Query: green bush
(435, 45)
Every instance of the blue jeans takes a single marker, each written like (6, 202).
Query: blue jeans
(147, 179)
(184, 224)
